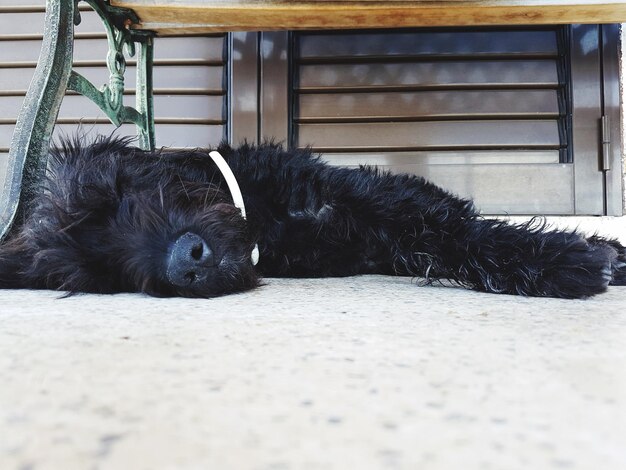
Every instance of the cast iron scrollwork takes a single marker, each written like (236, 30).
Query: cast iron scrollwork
(110, 97)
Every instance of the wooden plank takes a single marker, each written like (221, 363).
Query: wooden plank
(198, 16)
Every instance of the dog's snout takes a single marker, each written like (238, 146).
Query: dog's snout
(189, 261)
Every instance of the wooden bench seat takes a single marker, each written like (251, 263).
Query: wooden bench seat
(200, 16)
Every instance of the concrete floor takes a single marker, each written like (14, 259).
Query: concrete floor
(363, 373)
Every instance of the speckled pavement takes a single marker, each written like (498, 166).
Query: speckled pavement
(363, 373)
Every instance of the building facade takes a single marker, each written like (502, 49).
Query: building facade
(511, 117)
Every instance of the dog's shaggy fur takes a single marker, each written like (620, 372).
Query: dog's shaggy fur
(113, 218)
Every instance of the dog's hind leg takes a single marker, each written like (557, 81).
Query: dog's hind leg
(527, 259)
(434, 234)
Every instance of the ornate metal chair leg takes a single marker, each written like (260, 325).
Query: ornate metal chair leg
(31, 137)
(144, 91)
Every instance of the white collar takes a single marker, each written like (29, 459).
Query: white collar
(235, 193)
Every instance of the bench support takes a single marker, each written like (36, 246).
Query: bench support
(109, 98)
(53, 77)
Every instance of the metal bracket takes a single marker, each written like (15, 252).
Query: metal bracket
(110, 97)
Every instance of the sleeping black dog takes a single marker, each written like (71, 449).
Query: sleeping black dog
(114, 218)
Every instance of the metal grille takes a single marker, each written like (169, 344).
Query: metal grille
(433, 96)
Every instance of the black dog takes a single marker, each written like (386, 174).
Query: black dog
(113, 218)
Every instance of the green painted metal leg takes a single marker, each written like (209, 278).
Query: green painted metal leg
(144, 93)
(31, 138)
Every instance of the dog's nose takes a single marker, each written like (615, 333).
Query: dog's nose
(189, 261)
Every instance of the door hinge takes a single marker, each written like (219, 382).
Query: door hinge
(606, 143)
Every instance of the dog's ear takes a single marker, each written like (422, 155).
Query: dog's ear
(13, 261)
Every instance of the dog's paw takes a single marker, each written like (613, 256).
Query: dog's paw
(583, 270)
(618, 261)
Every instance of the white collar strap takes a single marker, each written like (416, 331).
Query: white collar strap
(235, 193)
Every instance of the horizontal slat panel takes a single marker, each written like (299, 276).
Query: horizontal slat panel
(465, 73)
(33, 23)
(169, 135)
(393, 159)
(24, 3)
(525, 192)
(190, 107)
(427, 43)
(4, 162)
(428, 105)
(75, 106)
(423, 135)
(10, 106)
(190, 49)
(203, 48)
(187, 107)
(164, 77)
